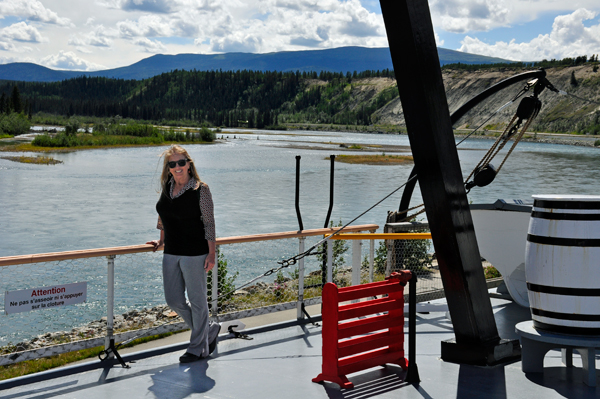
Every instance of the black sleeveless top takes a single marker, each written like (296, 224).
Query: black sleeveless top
(182, 222)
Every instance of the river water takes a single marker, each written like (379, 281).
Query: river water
(106, 197)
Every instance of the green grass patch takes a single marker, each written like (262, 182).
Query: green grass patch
(43, 364)
(30, 147)
(378, 159)
(39, 160)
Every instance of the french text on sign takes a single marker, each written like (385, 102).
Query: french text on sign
(44, 297)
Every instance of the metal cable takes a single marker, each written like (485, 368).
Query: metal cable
(486, 121)
(579, 98)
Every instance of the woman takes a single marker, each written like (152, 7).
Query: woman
(187, 231)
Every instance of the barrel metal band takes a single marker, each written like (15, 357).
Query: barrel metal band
(566, 329)
(566, 204)
(565, 216)
(565, 316)
(547, 289)
(564, 242)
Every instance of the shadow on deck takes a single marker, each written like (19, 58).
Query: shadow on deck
(281, 360)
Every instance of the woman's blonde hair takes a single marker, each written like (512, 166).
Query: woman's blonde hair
(166, 174)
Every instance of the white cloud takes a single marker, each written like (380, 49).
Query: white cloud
(276, 25)
(33, 10)
(22, 32)
(84, 50)
(158, 6)
(237, 43)
(149, 46)
(118, 32)
(146, 26)
(99, 36)
(438, 42)
(161, 6)
(6, 46)
(7, 60)
(461, 16)
(362, 23)
(568, 38)
(69, 60)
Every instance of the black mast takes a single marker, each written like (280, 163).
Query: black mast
(417, 69)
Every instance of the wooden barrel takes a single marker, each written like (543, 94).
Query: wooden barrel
(562, 263)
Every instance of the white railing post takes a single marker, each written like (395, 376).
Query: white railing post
(330, 261)
(299, 313)
(356, 254)
(110, 303)
(371, 259)
(215, 286)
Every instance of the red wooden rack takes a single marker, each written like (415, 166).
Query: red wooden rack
(361, 335)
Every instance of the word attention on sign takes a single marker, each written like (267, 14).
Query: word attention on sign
(44, 297)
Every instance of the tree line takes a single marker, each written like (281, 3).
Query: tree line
(13, 118)
(553, 63)
(217, 98)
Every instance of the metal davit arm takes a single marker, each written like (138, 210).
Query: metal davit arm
(459, 113)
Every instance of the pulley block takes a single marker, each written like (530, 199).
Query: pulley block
(528, 107)
(482, 176)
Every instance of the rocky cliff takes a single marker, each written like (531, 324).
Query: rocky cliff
(559, 113)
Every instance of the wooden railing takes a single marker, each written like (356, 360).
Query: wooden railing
(111, 253)
(131, 249)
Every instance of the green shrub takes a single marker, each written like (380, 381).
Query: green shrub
(14, 124)
(340, 247)
(226, 281)
(72, 126)
(379, 260)
(99, 128)
(207, 135)
(409, 254)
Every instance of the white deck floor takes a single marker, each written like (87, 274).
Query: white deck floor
(280, 363)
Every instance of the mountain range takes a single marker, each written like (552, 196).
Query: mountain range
(342, 59)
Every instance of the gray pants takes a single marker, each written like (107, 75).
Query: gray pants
(187, 272)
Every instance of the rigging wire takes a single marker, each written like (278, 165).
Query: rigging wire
(486, 121)
(294, 259)
(284, 264)
(564, 93)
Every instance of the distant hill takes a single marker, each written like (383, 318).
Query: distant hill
(342, 59)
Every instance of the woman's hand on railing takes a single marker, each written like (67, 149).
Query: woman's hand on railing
(156, 244)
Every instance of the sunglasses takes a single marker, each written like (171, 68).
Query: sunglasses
(181, 162)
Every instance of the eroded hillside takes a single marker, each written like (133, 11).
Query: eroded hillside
(558, 113)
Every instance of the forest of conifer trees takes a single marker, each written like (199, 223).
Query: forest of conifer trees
(214, 98)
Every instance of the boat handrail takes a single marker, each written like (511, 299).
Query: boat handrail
(383, 236)
(92, 253)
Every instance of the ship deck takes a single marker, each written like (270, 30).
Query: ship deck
(281, 359)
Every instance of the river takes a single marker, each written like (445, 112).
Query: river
(106, 197)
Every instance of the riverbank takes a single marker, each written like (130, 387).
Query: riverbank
(23, 143)
(534, 137)
(547, 138)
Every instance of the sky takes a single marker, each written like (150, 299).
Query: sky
(103, 34)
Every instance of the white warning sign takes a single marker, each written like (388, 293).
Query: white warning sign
(45, 297)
